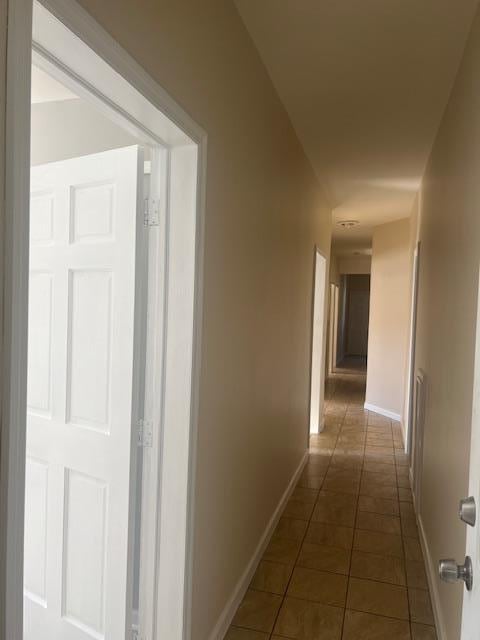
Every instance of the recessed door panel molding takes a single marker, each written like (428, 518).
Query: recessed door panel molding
(84, 552)
(89, 348)
(40, 328)
(92, 212)
(42, 218)
(36, 507)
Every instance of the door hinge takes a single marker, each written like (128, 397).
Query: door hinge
(151, 213)
(145, 434)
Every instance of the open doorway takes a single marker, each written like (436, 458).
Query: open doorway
(88, 257)
(353, 322)
(104, 269)
(333, 328)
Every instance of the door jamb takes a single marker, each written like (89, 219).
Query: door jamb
(409, 418)
(15, 285)
(321, 424)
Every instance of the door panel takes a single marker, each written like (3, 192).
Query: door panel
(84, 224)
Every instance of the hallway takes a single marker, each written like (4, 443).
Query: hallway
(345, 560)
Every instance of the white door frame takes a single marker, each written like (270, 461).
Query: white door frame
(317, 420)
(125, 89)
(409, 413)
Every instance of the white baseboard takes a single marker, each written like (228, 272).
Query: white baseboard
(235, 599)
(431, 567)
(383, 412)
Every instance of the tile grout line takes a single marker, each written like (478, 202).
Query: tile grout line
(301, 542)
(354, 529)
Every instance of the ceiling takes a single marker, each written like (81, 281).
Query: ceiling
(365, 84)
(46, 89)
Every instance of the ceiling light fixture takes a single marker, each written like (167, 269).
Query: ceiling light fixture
(347, 224)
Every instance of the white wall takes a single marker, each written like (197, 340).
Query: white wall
(447, 311)
(389, 317)
(355, 264)
(70, 128)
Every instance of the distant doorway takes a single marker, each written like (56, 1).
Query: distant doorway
(354, 319)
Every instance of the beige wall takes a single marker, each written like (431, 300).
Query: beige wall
(355, 264)
(334, 274)
(70, 128)
(389, 316)
(449, 263)
(264, 215)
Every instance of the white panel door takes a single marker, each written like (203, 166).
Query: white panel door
(85, 220)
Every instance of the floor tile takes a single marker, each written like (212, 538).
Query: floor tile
(298, 509)
(282, 550)
(272, 577)
(347, 461)
(323, 558)
(380, 543)
(235, 633)
(378, 522)
(413, 550)
(318, 586)
(349, 486)
(420, 607)
(401, 459)
(416, 576)
(378, 467)
(365, 626)
(258, 611)
(311, 481)
(330, 535)
(377, 597)
(381, 458)
(380, 450)
(378, 505)
(407, 510)
(303, 620)
(423, 632)
(379, 440)
(376, 567)
(405, 495)
(304, 495)
(343, 474)
(386, 479)
(335, 508)
(290, 529)
(409, 527)
(378, 491)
